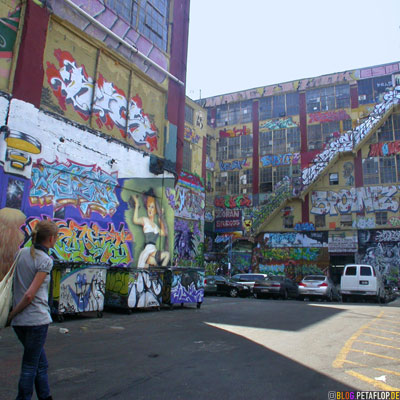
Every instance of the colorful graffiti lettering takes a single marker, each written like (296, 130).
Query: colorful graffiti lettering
(394, 222)
(364, 223)
(292, 253)
(191, 136)
(188, 203)
(280, 159)
(230, 166)
(88, 243)
(387, 236)
(187, 287)
(237, 201)
(228, 133)
(72, 85)
(384, 149)
(81, 290)
(86, 187)
(281, 123)
(328, 116)
(312, 239)
(376, 198)
(304, 226)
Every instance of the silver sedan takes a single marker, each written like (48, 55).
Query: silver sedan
(318, 286)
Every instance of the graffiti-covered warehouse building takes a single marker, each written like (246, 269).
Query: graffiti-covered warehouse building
(311, 170)
(92, 105)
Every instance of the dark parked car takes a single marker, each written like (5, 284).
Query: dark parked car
(248, 279)
(276, 286)
(217, 284)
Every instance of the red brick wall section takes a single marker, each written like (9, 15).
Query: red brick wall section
(29, 73)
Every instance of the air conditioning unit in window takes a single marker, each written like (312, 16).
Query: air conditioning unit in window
(362, 97)
(244, 190)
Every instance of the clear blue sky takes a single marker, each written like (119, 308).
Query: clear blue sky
(236, 45)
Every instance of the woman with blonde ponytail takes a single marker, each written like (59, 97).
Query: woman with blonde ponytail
(30, 316)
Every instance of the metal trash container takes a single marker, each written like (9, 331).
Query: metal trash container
(133, 288)
(183, 285)
(77, 287)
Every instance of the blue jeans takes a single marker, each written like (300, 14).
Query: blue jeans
(34, 362)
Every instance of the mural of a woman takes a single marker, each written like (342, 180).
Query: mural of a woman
(150, 255)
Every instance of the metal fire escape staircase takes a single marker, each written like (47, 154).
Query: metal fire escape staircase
(350, 141)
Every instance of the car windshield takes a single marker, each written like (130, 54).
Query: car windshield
(314, 278)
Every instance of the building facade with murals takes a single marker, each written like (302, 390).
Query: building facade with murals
(92, 116)
(307, 173)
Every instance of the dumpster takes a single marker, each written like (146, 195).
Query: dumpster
(76, 288)
(183, 285)
(133, 288)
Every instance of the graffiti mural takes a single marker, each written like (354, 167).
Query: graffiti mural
(304, 226)
(380, 248)
(88, 242)
(348, 140)
(329, 116)
(191, 136)
(370, 199)
(80, 290)
(309, 239)
(188, 236)
(73, 86)
(187, 286)
(281, 123)
(130, 289)
(280, 159)
(234, 132)
(230, 166)
(348, 173)
(227, 220)
(365, 223)
(237, 201)
(187, 203)
(86, 187)
(384, 149)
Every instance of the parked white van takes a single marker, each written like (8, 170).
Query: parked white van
(362, 280)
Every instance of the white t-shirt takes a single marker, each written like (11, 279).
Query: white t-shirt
(38, 311)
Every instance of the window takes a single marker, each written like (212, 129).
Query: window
(292, 104)
(371, 90)
(329, 98)
(385, 132)
(334, 179)
(346, 220)
(234, 147)
(278, 106)
(328, 129)
(281, 172)
(265, 180)
(246, 146)
(247, 177)
(387, 169)
(189, 114)
(265, 108)
(381, 217)
(149, 17)
(221, 182)
(187, 156)
(365, 271)
(234, 113)
(266, 142)
(233, 182)
(370, 171)
(347, 125)
(208, 145)
(319, 221)
(279, 141)
(351, 271)
(314, 137)
(293, 139)
(288, 221)
(222, 149)
(396, 126)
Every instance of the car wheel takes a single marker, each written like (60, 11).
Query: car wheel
(285, 295)
(233, 292)
(329, 297)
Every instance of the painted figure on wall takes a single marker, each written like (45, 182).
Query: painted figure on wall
(150, 255)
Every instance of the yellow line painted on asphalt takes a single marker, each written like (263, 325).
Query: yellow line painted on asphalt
(341, 357)
(371, 381)
(388, 324)
(384, 330)
(354, 363)
(380, 337)
(378, 344)
(388, 371)
(368, 353)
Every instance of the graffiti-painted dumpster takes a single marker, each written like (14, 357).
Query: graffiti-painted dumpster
(183, 285)
(77, 288)
(132, 288)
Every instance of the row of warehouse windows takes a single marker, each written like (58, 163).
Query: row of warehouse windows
(317, 100)
(148, 17)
